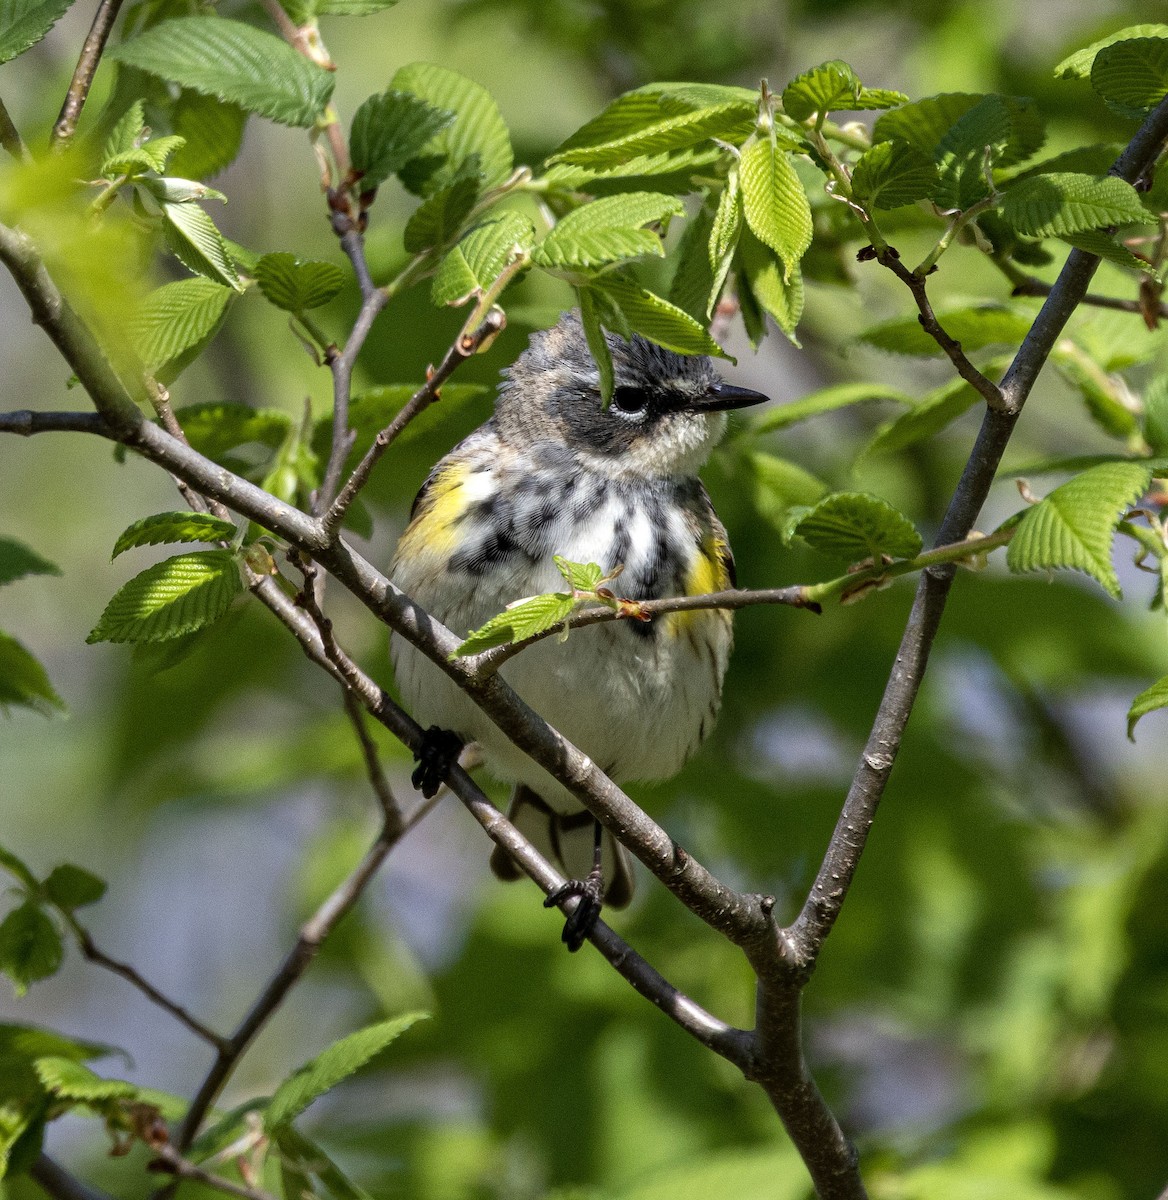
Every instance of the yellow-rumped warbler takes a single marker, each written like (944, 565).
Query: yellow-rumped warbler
(554, 472)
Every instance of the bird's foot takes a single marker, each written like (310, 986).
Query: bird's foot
(582, 919)
(438, 752)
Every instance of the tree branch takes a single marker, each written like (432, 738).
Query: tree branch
(10, 137)
(79, 85)
(58, 1183)
(172, 1162)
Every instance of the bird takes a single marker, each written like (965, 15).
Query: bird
(557, 472)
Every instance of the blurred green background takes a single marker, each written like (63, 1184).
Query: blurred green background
(990, 1017)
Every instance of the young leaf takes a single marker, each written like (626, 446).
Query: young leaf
(173, 597)
(1062, 203)
(150, 156)
(823, 89)
(1073, 526)
(127, 132)
(774, 202)
(438, 219)
(521, 620)
(656, 319)
(581, 577)
(476, 262)
(778, 292)
(727, 224)
(198, 244)
(388, 130)
(1007, 128)
(841, 395)
(71, 887)
(235, 62)
(30, 946)
(1147, 701)
(1079, 64)
(70, 1080)
(212, 133)
(23, 681)
(892, 174)
(17, 561)
(923, 123)
(1132, 74)
(20, 869)
(477, 131)
(330, 1067)
(297, 286)
(856, 526)
(214, 429)
(606, 231)
(1156, 414)
(24, 22)
(591, 305)
(168, 527)
(973, 327)
(175, 323)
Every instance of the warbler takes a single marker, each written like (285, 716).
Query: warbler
(557, 472)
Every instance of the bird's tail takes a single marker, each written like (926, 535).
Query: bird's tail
(568, 840)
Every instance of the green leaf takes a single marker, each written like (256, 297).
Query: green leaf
(388, 130)
(841, 395)
(727, 224)
(780, 485)
(17, 561)
(892, 174)
(478, 128)
(352, 8)
(150, 156)
(774, 202)
(1074, 525)
(332, 1066)
(592, 303)
(30, 946)
(71, 887)
(438, 219)
(213, 133)
(973, 326)
(310, 1159)
(176, 322)
(856, 526)
(173, 597)
(174, 527)
(833, 87)
(1105, 395)
(1147, 701)
(581, 577)
(198, 244)
(127, 132)
(778, 292)
(1080, 64)
(520, 620)
(656, 319)
(23, 681)
(692, 286)
(474, 264)
(607, 231)
(18, 867)
(213, 429)
(24, 22)
(1132, 74)
(1007, 129)
(1156, 414)
(70, 1080)
(923, 123)
(296, 286)
(1062, 203)
(925, 419)
(235, 62)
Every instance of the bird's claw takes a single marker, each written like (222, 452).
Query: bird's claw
(435, 756)
(582, 919)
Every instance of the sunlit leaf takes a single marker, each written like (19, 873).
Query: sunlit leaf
(524, 619)
(24, 22)
(176, 322)
(388, 130)
(1149, 700)
(774, 202)
(1063, 203)
(856, 526)
(170, 527)
(473, 265)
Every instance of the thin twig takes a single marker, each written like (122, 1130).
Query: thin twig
(79, 85)
(10, 137)
(169, 1160)
(1031, 285)
(466, 346)
(58, 1183)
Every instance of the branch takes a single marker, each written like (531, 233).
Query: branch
(1030, 285)
(466, 346)
(170, 1161)
(75, 97)
(58, 1183)
(10, 137)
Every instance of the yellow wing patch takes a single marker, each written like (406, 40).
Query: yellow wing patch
(709, 572)
(441, 504)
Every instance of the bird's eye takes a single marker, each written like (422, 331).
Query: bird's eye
(632, 401)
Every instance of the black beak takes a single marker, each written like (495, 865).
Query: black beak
(726, 395)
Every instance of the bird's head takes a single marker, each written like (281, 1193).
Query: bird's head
(667, 410)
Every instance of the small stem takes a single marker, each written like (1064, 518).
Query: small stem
(10, 137)
(79, 85)
(1030, 285)
(168, 1159)
(959, 221)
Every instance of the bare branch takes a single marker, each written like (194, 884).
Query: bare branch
(172, 1162)
(79, 85)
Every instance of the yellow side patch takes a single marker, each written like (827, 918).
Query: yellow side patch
(434, 527)
(707, 574)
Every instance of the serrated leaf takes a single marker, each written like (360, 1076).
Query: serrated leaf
(388, 130)
(297, 286)
(167, 527)
(213, 429)
(856, 526)
(175, 323)
(830, 86)
(590, 317)
(70, 1080)
(1074, 525)
(438, 219)
(30, 946)
(1156, 414)
(69, 887)
(126, 133)
(583, 577)
(23, 681)
(198, 244)
(1133, 73)
(478, 128)
(352, 8)
(672, 171)
(1103, 244)
(521, 620)
(923, 123)
(925, 419)
(235, 62)
(1102, 393)
(841, 395)
(1079, 64)
(332, 1066)
(150, 156)
(892, 174)
(727, 223)
(606, 231)
(24, 22)
(1062, 203)
(973, 326)
(173, 597)
(692, 286)
(778, 292)
(17, 560)
(1004, 129)
(474, 264)
(774, 203)
(656, 319)
(1147, 701)
(213, 133)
